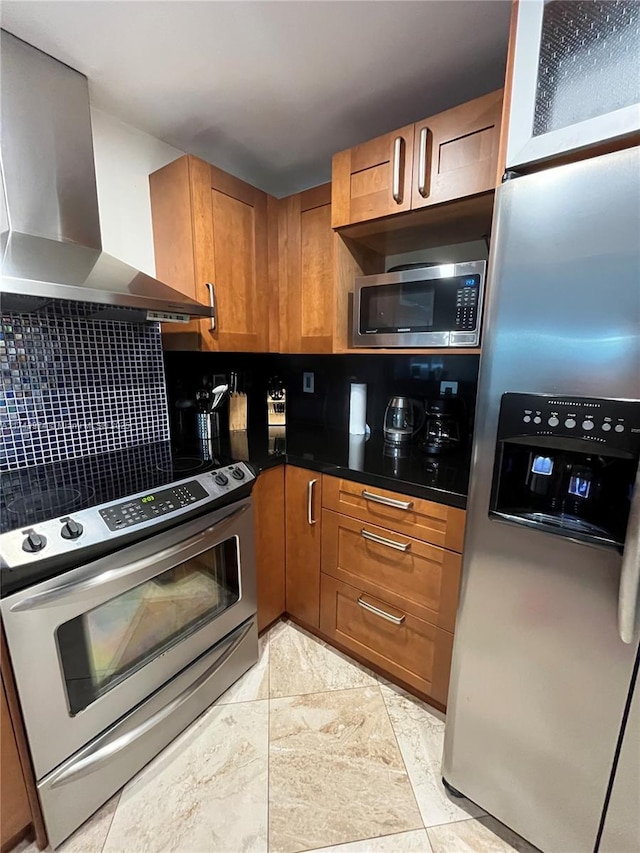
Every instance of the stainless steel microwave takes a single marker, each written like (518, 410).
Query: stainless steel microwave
(433, 306)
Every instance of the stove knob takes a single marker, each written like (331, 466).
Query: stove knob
(221, 479)
(71, 530)
(34, 542)
(237, 474)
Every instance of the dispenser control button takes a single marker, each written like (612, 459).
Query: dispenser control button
(34, 542)
(527, 419)
(71, 530)
(553, 421)
(537, 419)
(237, 474)
(587, 425)
(606, 427)
(619, 427)
(221, 479)
(570, 423)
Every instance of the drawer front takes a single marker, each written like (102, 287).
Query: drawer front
(396, 641)
(421, 519)
(406, 572)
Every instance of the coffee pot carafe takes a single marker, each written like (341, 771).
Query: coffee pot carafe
(442, 430)
(400, 419)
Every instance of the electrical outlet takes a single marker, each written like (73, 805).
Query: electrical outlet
(308, 382)
(448, 388)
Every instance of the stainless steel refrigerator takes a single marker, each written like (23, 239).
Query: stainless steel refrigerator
(543, 721)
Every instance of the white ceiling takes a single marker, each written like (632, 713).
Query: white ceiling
(270, 90)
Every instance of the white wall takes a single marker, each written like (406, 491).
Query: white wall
(125, 157)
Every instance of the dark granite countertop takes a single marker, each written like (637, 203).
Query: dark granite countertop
(443, 478)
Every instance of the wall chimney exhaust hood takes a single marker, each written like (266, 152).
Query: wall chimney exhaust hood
(49, 223)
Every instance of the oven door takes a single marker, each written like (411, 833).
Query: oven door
(89, 646)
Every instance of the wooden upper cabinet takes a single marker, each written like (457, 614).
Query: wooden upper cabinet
(210, 238)
(456, 152)
(307, 272)
(373, 179)
(443, 158)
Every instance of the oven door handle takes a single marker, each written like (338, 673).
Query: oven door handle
(113, 745)
(56, 593)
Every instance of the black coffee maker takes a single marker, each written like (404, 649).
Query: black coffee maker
(443, 425)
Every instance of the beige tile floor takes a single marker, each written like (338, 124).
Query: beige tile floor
(308, 751)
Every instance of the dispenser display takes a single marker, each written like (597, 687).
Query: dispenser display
(567, 465)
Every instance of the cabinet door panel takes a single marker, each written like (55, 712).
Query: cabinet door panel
(268, 502)
(303, 491)
(363, 178)
(14, 805)
(456, 152)
(409, 648)
(423, 579)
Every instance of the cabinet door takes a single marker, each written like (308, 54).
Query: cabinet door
(210, 237)
(456, 152)
(575, 78)
(268, 504)
(308, 289)
(14, 806)
(303, 492)
(372, 179)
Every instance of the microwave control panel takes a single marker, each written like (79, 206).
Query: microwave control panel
(614, 424)
(467, 304)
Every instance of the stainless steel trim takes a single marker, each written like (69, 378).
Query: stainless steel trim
(212, 304)
(310, 517)
(380, 499)
(398, 145)
(373, 537)
(630, 571)
(397, 620)
(93, 581)
(422, 163)
(88, 763)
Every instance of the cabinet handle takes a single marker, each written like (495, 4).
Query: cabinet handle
(398, 151)
(212, 303)
(380, 499)
(373, 537)
(422, 163)
(310, 517)
(397, 620)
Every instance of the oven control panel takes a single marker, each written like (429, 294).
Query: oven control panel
(153, 505)
(95, 525)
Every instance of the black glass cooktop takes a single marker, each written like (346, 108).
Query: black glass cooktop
(43, 492)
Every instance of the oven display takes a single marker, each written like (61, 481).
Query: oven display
(160, 503)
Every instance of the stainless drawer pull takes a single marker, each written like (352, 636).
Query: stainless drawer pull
(422, 163)
(380, 499)
(373, 537)
(398, 151)
(212, 303)
(397, 620)
(310, 517)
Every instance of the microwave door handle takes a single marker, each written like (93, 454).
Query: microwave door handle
(93, 582)
(630, 570)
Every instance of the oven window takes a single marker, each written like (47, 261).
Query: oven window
(100, 648)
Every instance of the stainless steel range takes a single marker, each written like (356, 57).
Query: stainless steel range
(129, 602)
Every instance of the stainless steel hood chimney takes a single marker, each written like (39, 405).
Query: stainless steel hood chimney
(51, 244)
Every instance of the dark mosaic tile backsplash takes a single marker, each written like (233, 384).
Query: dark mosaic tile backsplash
(73, 387)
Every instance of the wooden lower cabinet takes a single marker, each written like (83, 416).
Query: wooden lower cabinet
(303, 501)
(408, 648)
(268, 504)
(422, 579)
(15, 814)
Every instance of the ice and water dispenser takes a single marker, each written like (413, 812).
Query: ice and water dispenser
(567, 465)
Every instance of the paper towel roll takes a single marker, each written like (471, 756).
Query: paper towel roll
(356, 452)
(358, 409)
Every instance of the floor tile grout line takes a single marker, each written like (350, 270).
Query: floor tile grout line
(113, 816)
(362, 840)
(404, 763)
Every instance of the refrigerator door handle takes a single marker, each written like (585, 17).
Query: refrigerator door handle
(630, 571)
